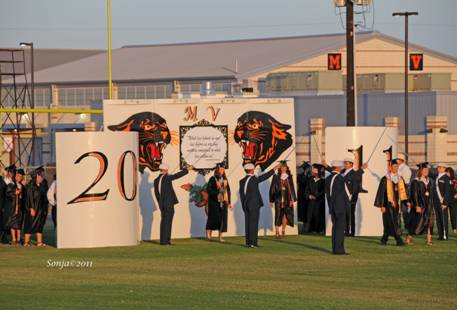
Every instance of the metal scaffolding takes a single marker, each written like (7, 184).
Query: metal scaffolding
(18, 132)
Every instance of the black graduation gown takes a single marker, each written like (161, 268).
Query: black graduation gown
(302, 202)
(14, 221)
(419, 222)
(3, 215)
(217, 211)
(316, 207)
(36, 199)
(390, 217)
(453, 205)
(280, 194)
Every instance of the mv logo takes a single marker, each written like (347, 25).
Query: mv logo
(416, 62)
(334, 61)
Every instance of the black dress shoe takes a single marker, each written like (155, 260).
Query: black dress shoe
(340, 253)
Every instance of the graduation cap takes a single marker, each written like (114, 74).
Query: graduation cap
(318, 166)
(11, 168)
(20, 171)
(305, 164)
(221, 165)
(394, 162)
(388, 152)
(283, 162)
(40, 170)
(37, 171)
(423, 165)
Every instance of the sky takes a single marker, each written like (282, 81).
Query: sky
(82, 23)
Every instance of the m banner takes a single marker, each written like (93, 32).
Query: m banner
(204, 132)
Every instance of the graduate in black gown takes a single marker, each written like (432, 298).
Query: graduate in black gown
(8, 200)
(338, 199)
(3, 228)
(283, 198)
(422, 215)
(453, 204)
(302, 202)
(391, 193)
(315, 193)
(219, 201)
(36, 208)
(15, 195)
(17, 219)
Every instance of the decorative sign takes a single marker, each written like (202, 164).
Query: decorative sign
(202, 132)
(97, 190)
(203, 146)
(334, 61)
(416, 62)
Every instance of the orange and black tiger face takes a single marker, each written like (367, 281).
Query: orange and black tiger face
(154, 136)
(262, 138)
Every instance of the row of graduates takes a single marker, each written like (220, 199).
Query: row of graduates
(23, 206)
(428, 201)
(424, 202)
(282, 198)
(311, 192)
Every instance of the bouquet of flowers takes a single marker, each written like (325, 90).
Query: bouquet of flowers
(197, 194)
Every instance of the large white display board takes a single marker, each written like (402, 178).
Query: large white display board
(97, 189)
(374, 140)
(204, 132)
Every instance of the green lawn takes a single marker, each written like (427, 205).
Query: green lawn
(296, 273)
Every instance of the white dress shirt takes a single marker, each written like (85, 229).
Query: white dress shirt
(405, 172)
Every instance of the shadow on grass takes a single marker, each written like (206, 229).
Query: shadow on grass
(308, 246)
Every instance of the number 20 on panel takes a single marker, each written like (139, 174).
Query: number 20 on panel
(103, 160)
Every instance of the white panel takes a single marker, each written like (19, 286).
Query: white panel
(374, 140)
(93, 219)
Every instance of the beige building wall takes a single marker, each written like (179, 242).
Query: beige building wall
(375, 56)
(435, 146)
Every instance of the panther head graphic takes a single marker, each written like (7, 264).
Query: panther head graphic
(262, 138)
(154, 136)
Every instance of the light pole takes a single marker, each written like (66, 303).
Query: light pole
(32, 72)
(32, 103)
(406, 14)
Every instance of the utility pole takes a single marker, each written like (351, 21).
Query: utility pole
(350, 81)
(406, 14)
(110, 65)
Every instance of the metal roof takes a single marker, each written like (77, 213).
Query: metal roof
(203, 60)
(46, 57)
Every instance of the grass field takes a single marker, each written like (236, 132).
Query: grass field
(295, 273)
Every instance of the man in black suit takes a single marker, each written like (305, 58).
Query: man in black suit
(251, 201)
(443, 198)
(338, 199)
(166, 198)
